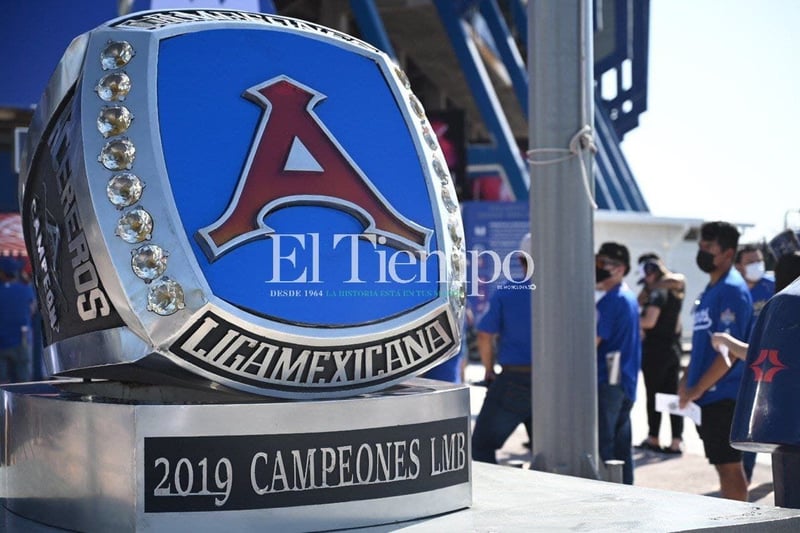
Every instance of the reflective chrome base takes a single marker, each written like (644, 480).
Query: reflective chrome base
(108, 456)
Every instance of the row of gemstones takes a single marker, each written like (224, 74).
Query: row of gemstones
(165, 296)
(457, 292)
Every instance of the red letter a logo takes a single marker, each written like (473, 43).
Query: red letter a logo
(294, 160)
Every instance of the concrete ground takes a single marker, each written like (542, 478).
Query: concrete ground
(688, 473)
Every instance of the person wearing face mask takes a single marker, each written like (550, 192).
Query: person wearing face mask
(661, 299)
(787, 270)
(765, 410)
(619, 356)
(750, 264)
(725, 306)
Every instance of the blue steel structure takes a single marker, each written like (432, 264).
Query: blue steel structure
(622, 60)
(621, 36)
(623, 27)
(505, 150)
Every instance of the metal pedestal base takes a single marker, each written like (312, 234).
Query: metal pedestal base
(104, 456)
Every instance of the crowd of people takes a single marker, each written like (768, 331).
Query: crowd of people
(643, 333)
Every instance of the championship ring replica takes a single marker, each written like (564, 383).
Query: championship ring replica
(241, 211)
(258, 200)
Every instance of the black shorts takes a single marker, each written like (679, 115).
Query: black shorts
(716, 432)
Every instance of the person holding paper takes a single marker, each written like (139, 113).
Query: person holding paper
(661, 299)
(619, 355)
(724, 306)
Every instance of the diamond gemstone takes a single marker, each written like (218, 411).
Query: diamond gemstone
(449, 204)
(114, 120)
(165, 297)
(456, 261)
(124, 189)
(457, 296)
(402, 77)
(454, 228)
(113, 87)
(116, 54)
(118, 154)
(135, 226)
(149, 262)
(416, 106)
(441, 173)
(430, 138)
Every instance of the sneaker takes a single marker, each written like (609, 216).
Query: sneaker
(647, 445)
(672, 451)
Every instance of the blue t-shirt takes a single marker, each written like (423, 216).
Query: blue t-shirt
(450, 370)
(725, 306)
(761, 292)
(509, 316)
(618, 329)
(16, 300)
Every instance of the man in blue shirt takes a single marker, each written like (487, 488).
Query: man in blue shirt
(507, 323)
(750, 264)
(724, 306)
(619, 356)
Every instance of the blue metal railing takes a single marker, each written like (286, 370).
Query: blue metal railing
(615, 185)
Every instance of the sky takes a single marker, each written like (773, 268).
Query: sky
(719, 139)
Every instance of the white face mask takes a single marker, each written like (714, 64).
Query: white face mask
(754, 271)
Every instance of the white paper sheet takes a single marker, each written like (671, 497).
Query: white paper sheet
(668, 403)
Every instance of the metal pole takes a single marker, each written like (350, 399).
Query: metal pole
(564, 371)
(614, 470)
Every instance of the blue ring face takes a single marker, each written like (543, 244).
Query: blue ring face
(296, 178)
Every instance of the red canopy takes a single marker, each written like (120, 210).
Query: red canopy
(11, 240)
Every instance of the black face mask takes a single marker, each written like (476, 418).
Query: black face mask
(705, 261)
(601, 274)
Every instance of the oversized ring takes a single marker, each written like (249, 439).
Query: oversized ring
(248, 200)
